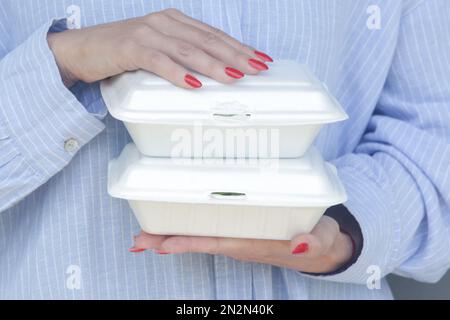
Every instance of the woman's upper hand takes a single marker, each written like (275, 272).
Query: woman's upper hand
(167, 43)
(323, 250)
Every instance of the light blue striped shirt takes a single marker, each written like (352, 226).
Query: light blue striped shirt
(387, 62)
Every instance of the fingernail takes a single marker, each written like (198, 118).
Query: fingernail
(258, 65)
(192, 81)
(136, 250)
(161, 252)
(263, 56)
(301, 248)
(234, 73)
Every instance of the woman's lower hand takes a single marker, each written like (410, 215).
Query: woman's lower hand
(167, 43)
(324, 250)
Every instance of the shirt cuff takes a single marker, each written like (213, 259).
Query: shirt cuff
(349, 226)
(370, 204)
(88, 95)
(43, 121)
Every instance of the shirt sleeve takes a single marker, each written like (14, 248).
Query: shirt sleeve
(42, 124)
(398, 178)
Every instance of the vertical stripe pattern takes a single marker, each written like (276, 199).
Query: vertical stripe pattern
(63, 237)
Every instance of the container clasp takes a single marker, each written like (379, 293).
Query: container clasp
(228, 196)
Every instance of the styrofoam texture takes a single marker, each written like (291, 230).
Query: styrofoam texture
(209, 220)
(288, 98)
(153, 141)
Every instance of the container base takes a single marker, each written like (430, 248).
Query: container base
(171, 141)
(228, 221)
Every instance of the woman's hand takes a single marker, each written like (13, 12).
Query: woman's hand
(167, 43)
(324, 250)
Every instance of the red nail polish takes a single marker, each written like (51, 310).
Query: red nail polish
(161, 252)
(263, 56)
(192, 81)
(301, 248)
(136, 250)
(258, 65)
(234, 73)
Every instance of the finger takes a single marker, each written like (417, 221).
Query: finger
(248, 248)
(318, 242)
(219, 49)
(180, 16)
(148, 241)
(209, 43)
(196, 59)
(163, 66)
(136, 52)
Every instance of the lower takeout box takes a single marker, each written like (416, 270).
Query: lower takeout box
(259, 199)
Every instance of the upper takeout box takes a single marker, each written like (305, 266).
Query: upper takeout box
(288, 98)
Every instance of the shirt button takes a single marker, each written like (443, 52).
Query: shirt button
(71, 145)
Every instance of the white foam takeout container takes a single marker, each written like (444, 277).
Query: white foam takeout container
(260, 199)
(276, 114)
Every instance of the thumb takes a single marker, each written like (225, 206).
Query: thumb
(318, 242)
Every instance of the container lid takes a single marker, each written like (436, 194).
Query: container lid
(305, 182)
(286, 94)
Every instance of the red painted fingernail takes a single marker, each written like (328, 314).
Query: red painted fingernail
(234, 73)
(263, 56)
(136, 250)
(192, 81)
(258, 65)
(301, 248)
(161, 252)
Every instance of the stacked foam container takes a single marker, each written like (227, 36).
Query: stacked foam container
(227, 160)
